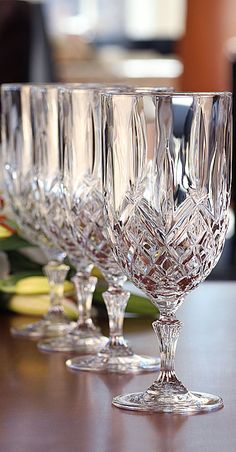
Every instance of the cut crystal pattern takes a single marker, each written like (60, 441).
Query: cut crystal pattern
(168, 220)
(87, 218)
(166, 162)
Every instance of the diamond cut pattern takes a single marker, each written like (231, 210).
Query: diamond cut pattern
(87, 219)
(170, 265)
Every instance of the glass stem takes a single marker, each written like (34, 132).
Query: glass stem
(116, 300)
(56, 273)
(85, 286)
(167, 329)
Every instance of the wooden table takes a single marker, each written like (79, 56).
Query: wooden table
(45, 407)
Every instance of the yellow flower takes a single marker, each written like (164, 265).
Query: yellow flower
(5, 232)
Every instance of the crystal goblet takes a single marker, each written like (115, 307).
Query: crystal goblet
(82, 190)
(18, 157)
(84, 337)
(166, 172)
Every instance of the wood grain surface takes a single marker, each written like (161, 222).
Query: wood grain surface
(45, 407)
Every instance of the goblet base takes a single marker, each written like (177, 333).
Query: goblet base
(43, 328)
(189, 403)
(84, 341)
(107, 362)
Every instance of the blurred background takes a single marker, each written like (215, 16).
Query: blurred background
(189, 45)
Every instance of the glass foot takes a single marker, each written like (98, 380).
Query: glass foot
(81, 341)
(189, 403)
(44, 328)
(107, 362)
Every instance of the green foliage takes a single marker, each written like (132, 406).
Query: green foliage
(20, 263)
(21, 267)
(14, 242)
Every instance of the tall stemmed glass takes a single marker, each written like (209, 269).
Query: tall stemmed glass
(82, 189)
(166, 170)
(84, 337)
(18, 156)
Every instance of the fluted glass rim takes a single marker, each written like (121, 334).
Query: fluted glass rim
(115, 88)
(149, 89)
(175, 94)
(9, 86)
(37, 85)
(66, 86)
(109, 89)
(13, 86)
(95, 87)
